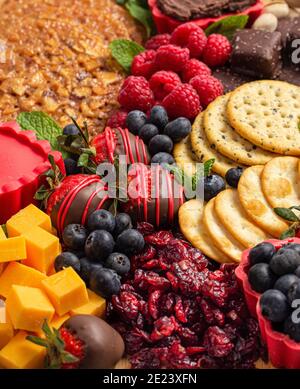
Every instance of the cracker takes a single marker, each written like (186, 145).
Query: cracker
(204, 152)
(255, 204)
(267, 113)
(226, 140)
(191, 225)
(235, 220)
(219, 234)
(184, 156)
(281, 182)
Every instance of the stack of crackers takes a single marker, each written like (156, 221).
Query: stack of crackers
(251, 127)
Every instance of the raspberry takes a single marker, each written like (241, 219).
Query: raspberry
(182, 101)
(162, 83)
(194, 68)
(155, 42)
(170, 57)
(208, 88)
(117, 119)
(217, 50)
(136, 94)
(143, 64)
(196, 43)
(181, 34)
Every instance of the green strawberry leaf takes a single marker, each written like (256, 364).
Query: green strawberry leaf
(44, 127)
(290, 233)
(286, 214)
(124, 51)
(3, 226)
(228, 26)
(37, 340)
(142, 14)
(83, 160)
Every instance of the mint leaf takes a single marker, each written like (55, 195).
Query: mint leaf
(124, 51)
(286, 214)
(44, 127)
(228, 26)
(142, 14)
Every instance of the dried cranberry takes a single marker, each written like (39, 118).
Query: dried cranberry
(148, 254)
(135, 340)
(187, 336)
(144, 359)
(217, 342)
(216, 291)
(179, 310)
(163, 328)
(146, 279)
(213, 315)
(168, 304)
(158, 264)
(145, 228)
(160, 238)
(153, 303)
(189, 279)
(126, 304)
(174, 251)
(198, 258)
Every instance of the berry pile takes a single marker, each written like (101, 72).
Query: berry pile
(99, 252)
(276, 274)
(174, 71)
(177, 310)
(157, 132)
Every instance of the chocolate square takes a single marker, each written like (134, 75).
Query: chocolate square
(257, 53)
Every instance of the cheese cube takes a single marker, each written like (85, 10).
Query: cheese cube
(18, 274)
(96, 306)
(28, 217)
(20, 353)
(12, 249)
(2, 234)
(42, 249)
(66, 290)
(28, 308)
(6, 334)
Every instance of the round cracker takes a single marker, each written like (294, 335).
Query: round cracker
(267, 113)
(219, 234)
(204, 151)
(255, 204)
(234, 218)
(191, 225)
(226, 140)
(184, 156)
(281, 183)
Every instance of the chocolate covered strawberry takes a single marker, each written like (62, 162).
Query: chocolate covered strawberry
(83, 342)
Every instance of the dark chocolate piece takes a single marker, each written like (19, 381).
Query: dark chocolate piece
(104, 346)
(257, 53)
(229, 79)
(290, 30)
(290, 74)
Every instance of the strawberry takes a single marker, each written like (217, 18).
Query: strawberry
(83, 342)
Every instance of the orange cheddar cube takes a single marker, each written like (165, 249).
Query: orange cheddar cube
(18, 274)
(96, 306)
(66, 290)
(42, 249)
(30, 216)
(12, 249)
(20, 353)
(2, 234)
(28, 307)
(6, 334)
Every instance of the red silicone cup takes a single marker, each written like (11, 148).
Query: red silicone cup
(23, 159)
(166, 24)
(283, 351)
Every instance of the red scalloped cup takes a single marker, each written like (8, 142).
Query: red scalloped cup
(23, 159)
(283, 351)
(166, 24)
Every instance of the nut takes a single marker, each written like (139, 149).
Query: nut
(266, 22)
(280, 10)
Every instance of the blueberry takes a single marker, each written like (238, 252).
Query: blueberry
(297, 272)
(71, 166)
(211, 186)
(285, 262)
(105, 282)
(78, 253)
(233, 176)
(123, 222)
(101, 220)
(159, 117)
(67, 259)
(147, 132)
(263, 252)
(99, 245)
(292, 328)
(261, 278)
(162, 158)
(74, 236)
(135, 120)
(178, 129)
(70, 129)
(86, 268)
(274, 306)
(290, 246)
(160, 143)
(118, 262)
(294, 292)
(284, 283)
(130, 242)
